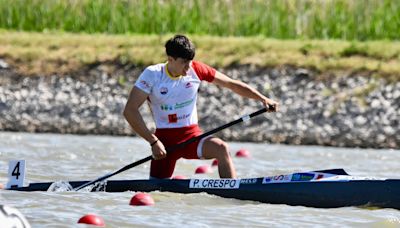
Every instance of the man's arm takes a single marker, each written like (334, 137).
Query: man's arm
(132, 115)
(244, 90)
(131, 112)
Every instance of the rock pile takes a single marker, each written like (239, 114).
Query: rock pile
(353, 111)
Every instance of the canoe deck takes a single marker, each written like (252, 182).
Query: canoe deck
(300, 189)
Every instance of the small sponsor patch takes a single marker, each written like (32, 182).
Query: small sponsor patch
(248, 181)
(188, 85)
(302, 176)
(215, 183)
(166, 107)
(184, 104)
(170, 107)
(163, 90)
(173, 118)
(277, 179)
(266, 180)
(145, 84)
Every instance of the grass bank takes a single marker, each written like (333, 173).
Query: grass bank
(279, 19)
(47, 53)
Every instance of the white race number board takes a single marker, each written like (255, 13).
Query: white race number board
(16, 173)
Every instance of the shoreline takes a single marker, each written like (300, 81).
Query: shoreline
(339, 110)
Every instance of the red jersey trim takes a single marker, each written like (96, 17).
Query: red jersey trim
(203, 71)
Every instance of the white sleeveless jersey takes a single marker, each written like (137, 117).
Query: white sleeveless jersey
(173, 100)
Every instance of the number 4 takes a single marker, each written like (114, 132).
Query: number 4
(16, 172)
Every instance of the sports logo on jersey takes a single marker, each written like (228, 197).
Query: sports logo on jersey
(166, 107)
(163, 90)
(145, 84)
(184, 104)
(170, 107)
(188, 85)
(173, 118)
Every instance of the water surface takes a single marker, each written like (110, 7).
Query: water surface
(52, 157)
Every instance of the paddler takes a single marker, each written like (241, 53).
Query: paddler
(171, 89)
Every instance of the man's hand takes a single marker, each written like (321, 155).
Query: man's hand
(158, 150)
(271, 105)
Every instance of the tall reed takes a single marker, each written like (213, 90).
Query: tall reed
(282, 19)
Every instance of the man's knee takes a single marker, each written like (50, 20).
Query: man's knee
(225, 148)
(222, 150)
(216, 148)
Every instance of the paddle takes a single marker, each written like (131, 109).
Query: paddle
(171, 149)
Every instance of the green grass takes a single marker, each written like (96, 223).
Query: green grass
(55, 52)
(280, 19)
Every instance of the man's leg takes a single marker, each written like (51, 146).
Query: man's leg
(163, 168)
(218, 149)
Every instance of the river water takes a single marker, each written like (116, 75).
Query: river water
(52, 157)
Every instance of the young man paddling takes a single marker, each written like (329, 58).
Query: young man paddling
(171, 89)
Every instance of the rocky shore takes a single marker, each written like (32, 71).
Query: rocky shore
(335, 110)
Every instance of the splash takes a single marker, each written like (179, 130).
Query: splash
(65, 186)
(60, 186)
(97, 187)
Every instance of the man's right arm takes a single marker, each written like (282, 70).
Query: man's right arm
(131, 113)
(136, 98)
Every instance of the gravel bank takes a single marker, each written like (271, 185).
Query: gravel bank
(351, 111)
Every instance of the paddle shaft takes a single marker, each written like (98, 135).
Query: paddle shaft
(171, 149)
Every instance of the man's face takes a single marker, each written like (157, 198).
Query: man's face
(181, 65)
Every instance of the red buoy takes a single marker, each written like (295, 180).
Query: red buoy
(215, 162)
(243, 153)
(179, 177)
(141, 199)
(203, 169)
(92, 219)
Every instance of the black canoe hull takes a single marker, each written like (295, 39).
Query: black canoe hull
(319, 194)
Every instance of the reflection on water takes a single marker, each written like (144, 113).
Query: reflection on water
(52, 157)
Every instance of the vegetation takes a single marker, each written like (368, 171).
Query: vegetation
(279, 19)
(55, 52)
(60, 36)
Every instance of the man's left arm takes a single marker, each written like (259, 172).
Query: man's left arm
(244, 90)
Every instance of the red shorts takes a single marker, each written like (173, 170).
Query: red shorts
(164, 168)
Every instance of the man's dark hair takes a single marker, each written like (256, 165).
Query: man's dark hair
(180, 46)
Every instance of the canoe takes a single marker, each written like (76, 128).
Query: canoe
(321, 189)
